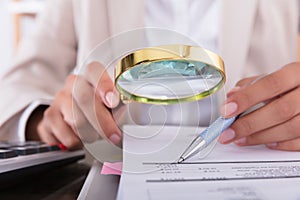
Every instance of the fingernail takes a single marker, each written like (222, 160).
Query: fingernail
(272, 145)
(111, 99)
(115, 138)
(241, 141)
(226, 136)
(228, 109)
(62, 147)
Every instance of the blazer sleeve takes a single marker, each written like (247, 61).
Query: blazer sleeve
(43, 61)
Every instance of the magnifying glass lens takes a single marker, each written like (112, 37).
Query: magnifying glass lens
(169, 80)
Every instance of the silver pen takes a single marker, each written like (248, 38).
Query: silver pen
(206, 137)
(212, 132)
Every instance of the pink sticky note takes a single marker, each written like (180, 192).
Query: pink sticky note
(112, 168)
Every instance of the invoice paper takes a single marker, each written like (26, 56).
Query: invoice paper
(229, 172)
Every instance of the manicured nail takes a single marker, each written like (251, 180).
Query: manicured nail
(241, 141)
(115, 138)
(272, 145)
(111, 99)
(228, 109)
(226, 136)
(62, 147)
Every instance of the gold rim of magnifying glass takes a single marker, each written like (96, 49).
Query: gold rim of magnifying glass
(169, 52)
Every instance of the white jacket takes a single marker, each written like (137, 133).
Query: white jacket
(255, 37)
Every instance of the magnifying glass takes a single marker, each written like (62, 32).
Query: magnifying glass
(169, 74)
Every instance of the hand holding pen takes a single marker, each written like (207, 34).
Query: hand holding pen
(276, 124)
(218, 127)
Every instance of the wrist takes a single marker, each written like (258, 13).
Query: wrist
(31, 131)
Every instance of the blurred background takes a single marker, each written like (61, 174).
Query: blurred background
(16, 20)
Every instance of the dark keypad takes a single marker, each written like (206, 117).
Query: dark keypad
(7, 153)
(27, 150)
(43, 148)
(13, 149)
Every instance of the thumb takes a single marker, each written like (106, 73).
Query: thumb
(101, 81)
(108, 94)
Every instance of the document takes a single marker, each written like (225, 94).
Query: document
(229, 172)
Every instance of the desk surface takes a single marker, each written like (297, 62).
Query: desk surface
(61, 183)
(97, 185)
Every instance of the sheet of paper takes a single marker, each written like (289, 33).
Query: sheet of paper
(228, 172)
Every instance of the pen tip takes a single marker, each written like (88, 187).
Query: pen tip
(180, 160)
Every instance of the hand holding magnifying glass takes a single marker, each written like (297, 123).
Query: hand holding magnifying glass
(172, 74)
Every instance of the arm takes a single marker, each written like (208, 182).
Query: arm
(78, 102)
(43, 61)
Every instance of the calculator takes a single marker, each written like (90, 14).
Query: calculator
(20, 160)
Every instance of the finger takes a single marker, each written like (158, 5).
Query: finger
(46, 135)
(98, 77)
(62, 131)
(246, 81)
(73, 116)
(67, 136)
(241, 85)
(232, 91)
(290, 145)
(282, 132)
(266, 88)
(119, 113)
(80, 124)
(277, 112)
(108, 124)
(95, 111)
